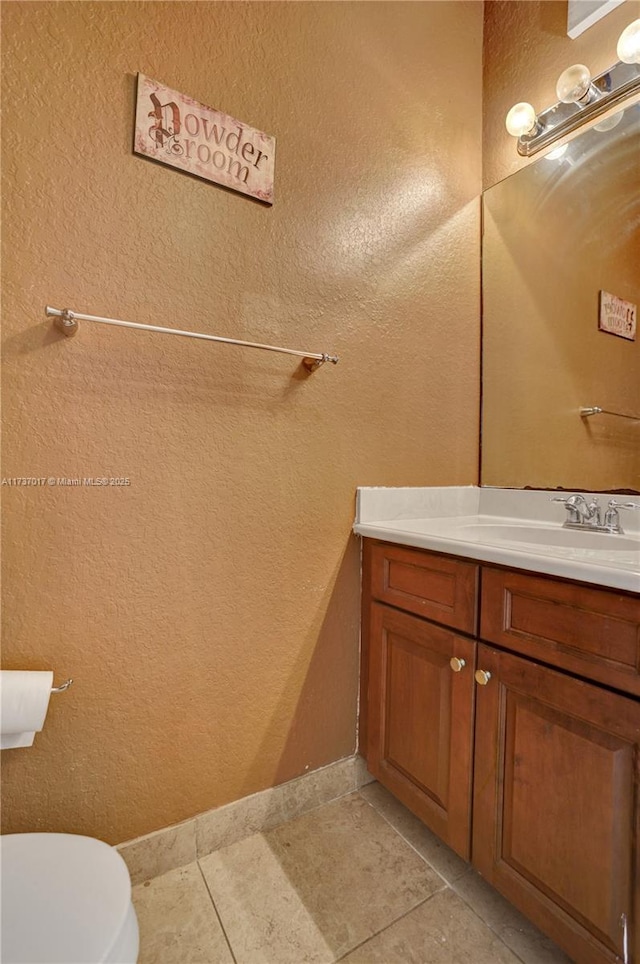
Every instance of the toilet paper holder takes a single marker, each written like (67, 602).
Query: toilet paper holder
(63, 686)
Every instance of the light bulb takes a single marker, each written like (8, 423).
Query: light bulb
(521, 119)
(629, 44)
(573, 85)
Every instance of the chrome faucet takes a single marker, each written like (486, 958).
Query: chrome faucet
(588, 515)
(577, 511)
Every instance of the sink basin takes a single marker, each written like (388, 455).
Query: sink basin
(550, 536)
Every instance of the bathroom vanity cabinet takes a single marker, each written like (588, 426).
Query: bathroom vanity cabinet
(503, 708)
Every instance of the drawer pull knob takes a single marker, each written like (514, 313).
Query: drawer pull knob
(457, 664)
(482, 677)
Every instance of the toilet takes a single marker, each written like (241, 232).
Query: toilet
(66, 899)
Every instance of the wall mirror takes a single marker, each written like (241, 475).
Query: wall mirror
(555, 234)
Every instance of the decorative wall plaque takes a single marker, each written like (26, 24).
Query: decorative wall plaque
(177, 130)
(618, 317)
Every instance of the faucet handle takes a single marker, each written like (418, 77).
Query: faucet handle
(611, 517)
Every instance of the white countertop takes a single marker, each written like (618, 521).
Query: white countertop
(465, 521)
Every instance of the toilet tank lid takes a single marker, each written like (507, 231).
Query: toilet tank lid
(65, 898)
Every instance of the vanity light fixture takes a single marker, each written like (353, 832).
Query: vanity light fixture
(580, 98)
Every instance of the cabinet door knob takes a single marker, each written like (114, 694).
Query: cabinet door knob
(482, 676)
(456, 664)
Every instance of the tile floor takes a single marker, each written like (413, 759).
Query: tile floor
(358, 880)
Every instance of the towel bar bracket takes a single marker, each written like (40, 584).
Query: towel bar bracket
(65, 322)
(63, 686)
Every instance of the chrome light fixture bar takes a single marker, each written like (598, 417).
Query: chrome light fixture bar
(581, 98)
(610, 88)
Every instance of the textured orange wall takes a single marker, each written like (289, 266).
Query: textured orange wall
(526, 48)
(209, 612)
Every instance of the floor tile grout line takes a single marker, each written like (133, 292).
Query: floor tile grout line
(411, 910)
(213, 904)
(486, 923)
(387, 926)
(447, 883)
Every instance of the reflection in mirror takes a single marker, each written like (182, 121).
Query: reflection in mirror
(556, 234)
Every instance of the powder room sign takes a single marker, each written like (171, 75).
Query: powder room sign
(616, 316)
(177, 130)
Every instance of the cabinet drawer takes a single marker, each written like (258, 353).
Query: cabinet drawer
(592, 632)
(437, 587)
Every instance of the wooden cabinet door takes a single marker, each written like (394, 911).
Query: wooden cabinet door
(556, 804)
(420, 738)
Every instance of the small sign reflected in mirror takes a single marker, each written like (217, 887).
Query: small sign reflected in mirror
(617, 317)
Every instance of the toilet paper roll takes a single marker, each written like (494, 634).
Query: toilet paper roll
(24, 700)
